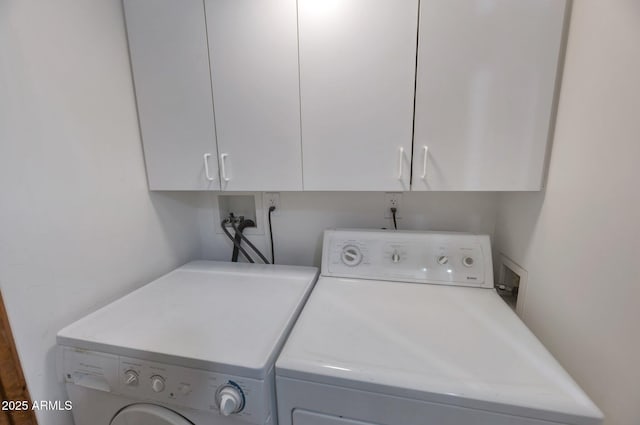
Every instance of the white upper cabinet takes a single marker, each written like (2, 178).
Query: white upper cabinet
(320, 94)
(254, 69)
(170, 61)
(485, 93)
(357, 75)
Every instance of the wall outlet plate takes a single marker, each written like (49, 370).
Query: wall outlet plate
(392, 200)
(271, 199)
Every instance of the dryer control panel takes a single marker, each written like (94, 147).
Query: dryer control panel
(247, 399)
(421, 257)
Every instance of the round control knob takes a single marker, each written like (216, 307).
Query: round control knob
(467, 261)
(230, 400)
(131, 378)
(351, 255)
(395, 257)
(157, 383)
(442, 260)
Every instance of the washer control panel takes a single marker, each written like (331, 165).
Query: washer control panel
(246, 399)
(422, 257)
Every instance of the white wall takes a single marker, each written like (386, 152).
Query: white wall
(303, 216)
(78, 227)
(580, 242)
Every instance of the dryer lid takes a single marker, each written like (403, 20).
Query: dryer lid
(148, 414)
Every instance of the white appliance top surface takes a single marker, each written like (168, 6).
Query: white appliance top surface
(453, 345)
(226, 317)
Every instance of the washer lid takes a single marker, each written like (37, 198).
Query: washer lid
(224, 317)
(148, 414)
(453, 345)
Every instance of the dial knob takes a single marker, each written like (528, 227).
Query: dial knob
(230, 400)
(467, 261)
(157, 383)
(351, 255)
(395, 257)
(131, 378)
(442, 260)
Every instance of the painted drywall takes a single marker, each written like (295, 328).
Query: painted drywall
(580, 241)
(303, 216)
(78, 227)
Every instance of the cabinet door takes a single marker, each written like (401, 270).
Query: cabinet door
(357, 74)
(485, 92)
(254, 68)
(170, 62)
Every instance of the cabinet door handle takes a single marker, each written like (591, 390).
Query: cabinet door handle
(424, 162)
(223, 158)
(206, 167)
(400, 158)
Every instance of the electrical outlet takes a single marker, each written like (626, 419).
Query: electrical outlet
(272, 199)
(392, 200)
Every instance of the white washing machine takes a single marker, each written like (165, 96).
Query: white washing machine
(405, 328)
(195, 347)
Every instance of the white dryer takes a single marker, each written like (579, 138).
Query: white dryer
(195, 347)
(405, 328)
